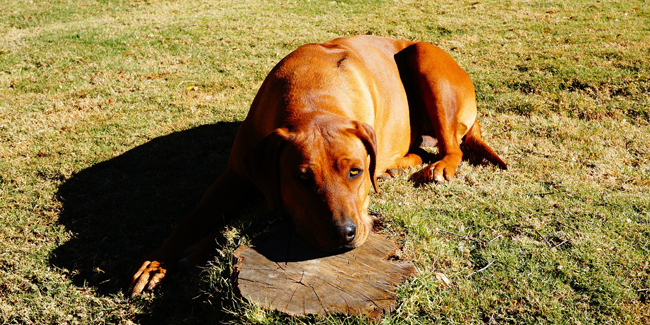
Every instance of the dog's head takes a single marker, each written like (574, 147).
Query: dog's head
(319, 170)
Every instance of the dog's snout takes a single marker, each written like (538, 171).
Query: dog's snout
(345, 233)
(348, 232)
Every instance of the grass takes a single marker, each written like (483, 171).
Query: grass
(116, 115)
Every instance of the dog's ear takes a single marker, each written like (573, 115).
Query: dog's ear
(366, 133)
(262, 165)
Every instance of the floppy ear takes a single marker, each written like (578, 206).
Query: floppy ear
(262, 165)
(366, 133)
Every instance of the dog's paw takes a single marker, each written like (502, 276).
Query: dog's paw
(442, 171)
(391, 173)
(384, 177)
(147, 277)
(438, 172)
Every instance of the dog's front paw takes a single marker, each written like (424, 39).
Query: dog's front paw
(147, 277)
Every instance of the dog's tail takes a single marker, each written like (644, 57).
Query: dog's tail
(476, 144)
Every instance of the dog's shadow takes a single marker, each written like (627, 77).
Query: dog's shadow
(281, 244)
(119, 210)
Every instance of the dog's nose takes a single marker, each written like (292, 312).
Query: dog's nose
(348, 232)
(345, 233)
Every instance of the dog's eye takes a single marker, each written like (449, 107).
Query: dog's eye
(355, 172)
(305, 175)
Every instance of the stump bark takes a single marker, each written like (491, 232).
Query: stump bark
(282, 272)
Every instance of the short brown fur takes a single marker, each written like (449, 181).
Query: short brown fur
(327, 121)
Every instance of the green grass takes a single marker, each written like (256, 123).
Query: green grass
(116, 115)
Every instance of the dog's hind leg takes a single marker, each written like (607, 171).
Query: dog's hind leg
(441, 94)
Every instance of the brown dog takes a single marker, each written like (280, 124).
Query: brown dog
(328, 120)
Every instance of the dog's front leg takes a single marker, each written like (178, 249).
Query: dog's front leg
(194, 239)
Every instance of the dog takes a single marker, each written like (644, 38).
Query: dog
(328, 120)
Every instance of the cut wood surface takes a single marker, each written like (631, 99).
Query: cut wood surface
(282, 272)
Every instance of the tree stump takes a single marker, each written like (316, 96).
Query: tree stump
(283, 272)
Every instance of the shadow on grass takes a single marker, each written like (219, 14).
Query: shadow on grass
(121, 209)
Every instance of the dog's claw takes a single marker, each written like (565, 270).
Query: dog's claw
(438, 172)
(148, 276)
(442, 172)
(153, 282)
